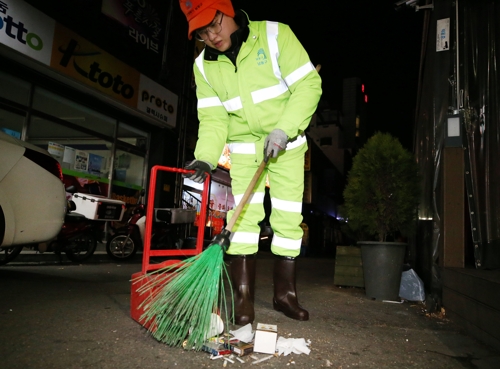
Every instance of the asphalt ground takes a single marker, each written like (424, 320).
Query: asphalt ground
(56, 314)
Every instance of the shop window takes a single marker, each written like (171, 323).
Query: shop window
(11, 123)
(14, 89)
(85, 159)
(72, 112)
(90, 147)
(132, 136)
(129, 169)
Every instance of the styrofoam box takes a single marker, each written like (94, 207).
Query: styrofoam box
(98, 207)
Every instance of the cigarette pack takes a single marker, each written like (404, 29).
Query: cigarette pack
(240, 348)
(215, 348)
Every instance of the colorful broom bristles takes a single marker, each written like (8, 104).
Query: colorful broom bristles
(183, 297)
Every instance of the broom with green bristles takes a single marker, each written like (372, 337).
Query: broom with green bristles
(182, 298)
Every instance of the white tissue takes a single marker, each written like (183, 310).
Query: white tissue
(244, 334)
(286, 346)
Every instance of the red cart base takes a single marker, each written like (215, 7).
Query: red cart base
(136, 298)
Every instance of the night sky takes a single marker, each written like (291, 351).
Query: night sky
(368, 39)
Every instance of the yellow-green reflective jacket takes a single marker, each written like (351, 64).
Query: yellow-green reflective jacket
(273, 85)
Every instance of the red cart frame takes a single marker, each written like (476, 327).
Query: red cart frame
(147, 252)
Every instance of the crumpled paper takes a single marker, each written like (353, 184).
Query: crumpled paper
(244, 334)
(286, 346)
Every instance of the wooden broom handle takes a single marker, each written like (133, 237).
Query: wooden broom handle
(246, 195)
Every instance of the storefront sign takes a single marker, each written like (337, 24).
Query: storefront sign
(79, 59)
(140, 19)
(32, 33)
(26, 30)
(157, 101)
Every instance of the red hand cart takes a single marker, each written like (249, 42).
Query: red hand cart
(177, 217)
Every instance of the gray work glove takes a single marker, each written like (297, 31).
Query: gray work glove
(201, 169)
(275, 142)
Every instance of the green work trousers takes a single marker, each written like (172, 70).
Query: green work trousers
(286, 187)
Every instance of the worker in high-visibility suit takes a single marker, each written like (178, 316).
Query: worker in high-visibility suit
(257, 90)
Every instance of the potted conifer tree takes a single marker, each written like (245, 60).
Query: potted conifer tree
(380, 204)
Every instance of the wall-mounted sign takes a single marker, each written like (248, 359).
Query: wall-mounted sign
(81, 60)
(443, 34)
(27, 30)
(140, 19)
(32, 33)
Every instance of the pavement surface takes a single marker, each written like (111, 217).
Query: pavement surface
(59, 315)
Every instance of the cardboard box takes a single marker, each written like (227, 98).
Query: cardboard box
(98, 207)
(266, 336)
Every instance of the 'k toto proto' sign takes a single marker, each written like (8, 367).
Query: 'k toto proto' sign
(30, 32)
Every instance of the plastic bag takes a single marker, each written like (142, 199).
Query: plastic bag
(412, 287)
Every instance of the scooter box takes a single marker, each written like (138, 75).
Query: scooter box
(98, 207)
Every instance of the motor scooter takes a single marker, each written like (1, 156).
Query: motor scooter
(78, 236)
(124, 243)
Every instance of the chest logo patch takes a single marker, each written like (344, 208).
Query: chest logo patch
(261, 57)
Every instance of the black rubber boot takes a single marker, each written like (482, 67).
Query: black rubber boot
(243, 282)
(285, 294)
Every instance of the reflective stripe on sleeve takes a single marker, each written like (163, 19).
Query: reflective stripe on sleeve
(209, 102)
(287, 243)
(300, 140)
(299, 73)
(233, 104)
(269, 93)
(285, 205)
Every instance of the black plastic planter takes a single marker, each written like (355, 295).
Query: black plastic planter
(382, 268)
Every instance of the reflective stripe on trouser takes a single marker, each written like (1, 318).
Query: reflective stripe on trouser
(286, 179)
